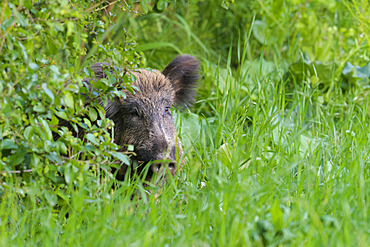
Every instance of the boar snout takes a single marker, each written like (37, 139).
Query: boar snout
(161, 167)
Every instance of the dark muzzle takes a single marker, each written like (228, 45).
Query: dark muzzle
(160, 167)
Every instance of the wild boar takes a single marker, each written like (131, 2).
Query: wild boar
(143, 119)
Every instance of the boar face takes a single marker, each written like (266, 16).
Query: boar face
(144, 119)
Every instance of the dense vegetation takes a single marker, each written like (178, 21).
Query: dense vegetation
(277, 144)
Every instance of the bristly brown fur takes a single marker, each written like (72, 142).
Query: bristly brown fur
(183, 72)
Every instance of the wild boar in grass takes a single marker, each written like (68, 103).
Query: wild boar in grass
(143, 119)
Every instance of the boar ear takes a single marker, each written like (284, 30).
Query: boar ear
(183, 72)
(99, 69)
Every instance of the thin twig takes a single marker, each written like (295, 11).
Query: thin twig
(109, 4)
(17, 171)
(25, 38)
(94, 6)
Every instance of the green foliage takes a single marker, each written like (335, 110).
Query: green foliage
(327, 31)
(44, 46)
(276, 145)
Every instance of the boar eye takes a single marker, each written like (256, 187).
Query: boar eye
(134, 112)
(167, 109)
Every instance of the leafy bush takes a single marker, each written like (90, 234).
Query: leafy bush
(45, 49)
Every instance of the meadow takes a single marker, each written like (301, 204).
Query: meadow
(276, 146)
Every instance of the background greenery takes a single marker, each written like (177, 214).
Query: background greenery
(277, 144)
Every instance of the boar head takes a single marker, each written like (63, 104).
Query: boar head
(143, 119)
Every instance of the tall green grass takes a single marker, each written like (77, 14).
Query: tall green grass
(263, 166)
(268, 162)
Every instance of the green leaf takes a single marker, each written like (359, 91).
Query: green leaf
(39, 108)
(8, 144)
(28, 133)
(364, 72)
(50, 197)
(68, 100)
(190, 129)
(68, 173)
(17, 158)
(263, 33)
(62, 147)
(61, 114)
(277, 215)
(21, 19)
(162, 4)
(33, 66)
(86, 124)
(350, 71)
(54, 121)
(112, 79)
(24, 52)
(55, 158)
(130, 148)
(47, 91)
(122, 157)
(92, 114)
(224, 153)
(52, 48)
(35, 160)
(92, 138)
(46, 128)
(62, 196)
(119, 94)
(71, 28)
(87, 71)
(145, 5)
(8, 12)
(28, 4)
